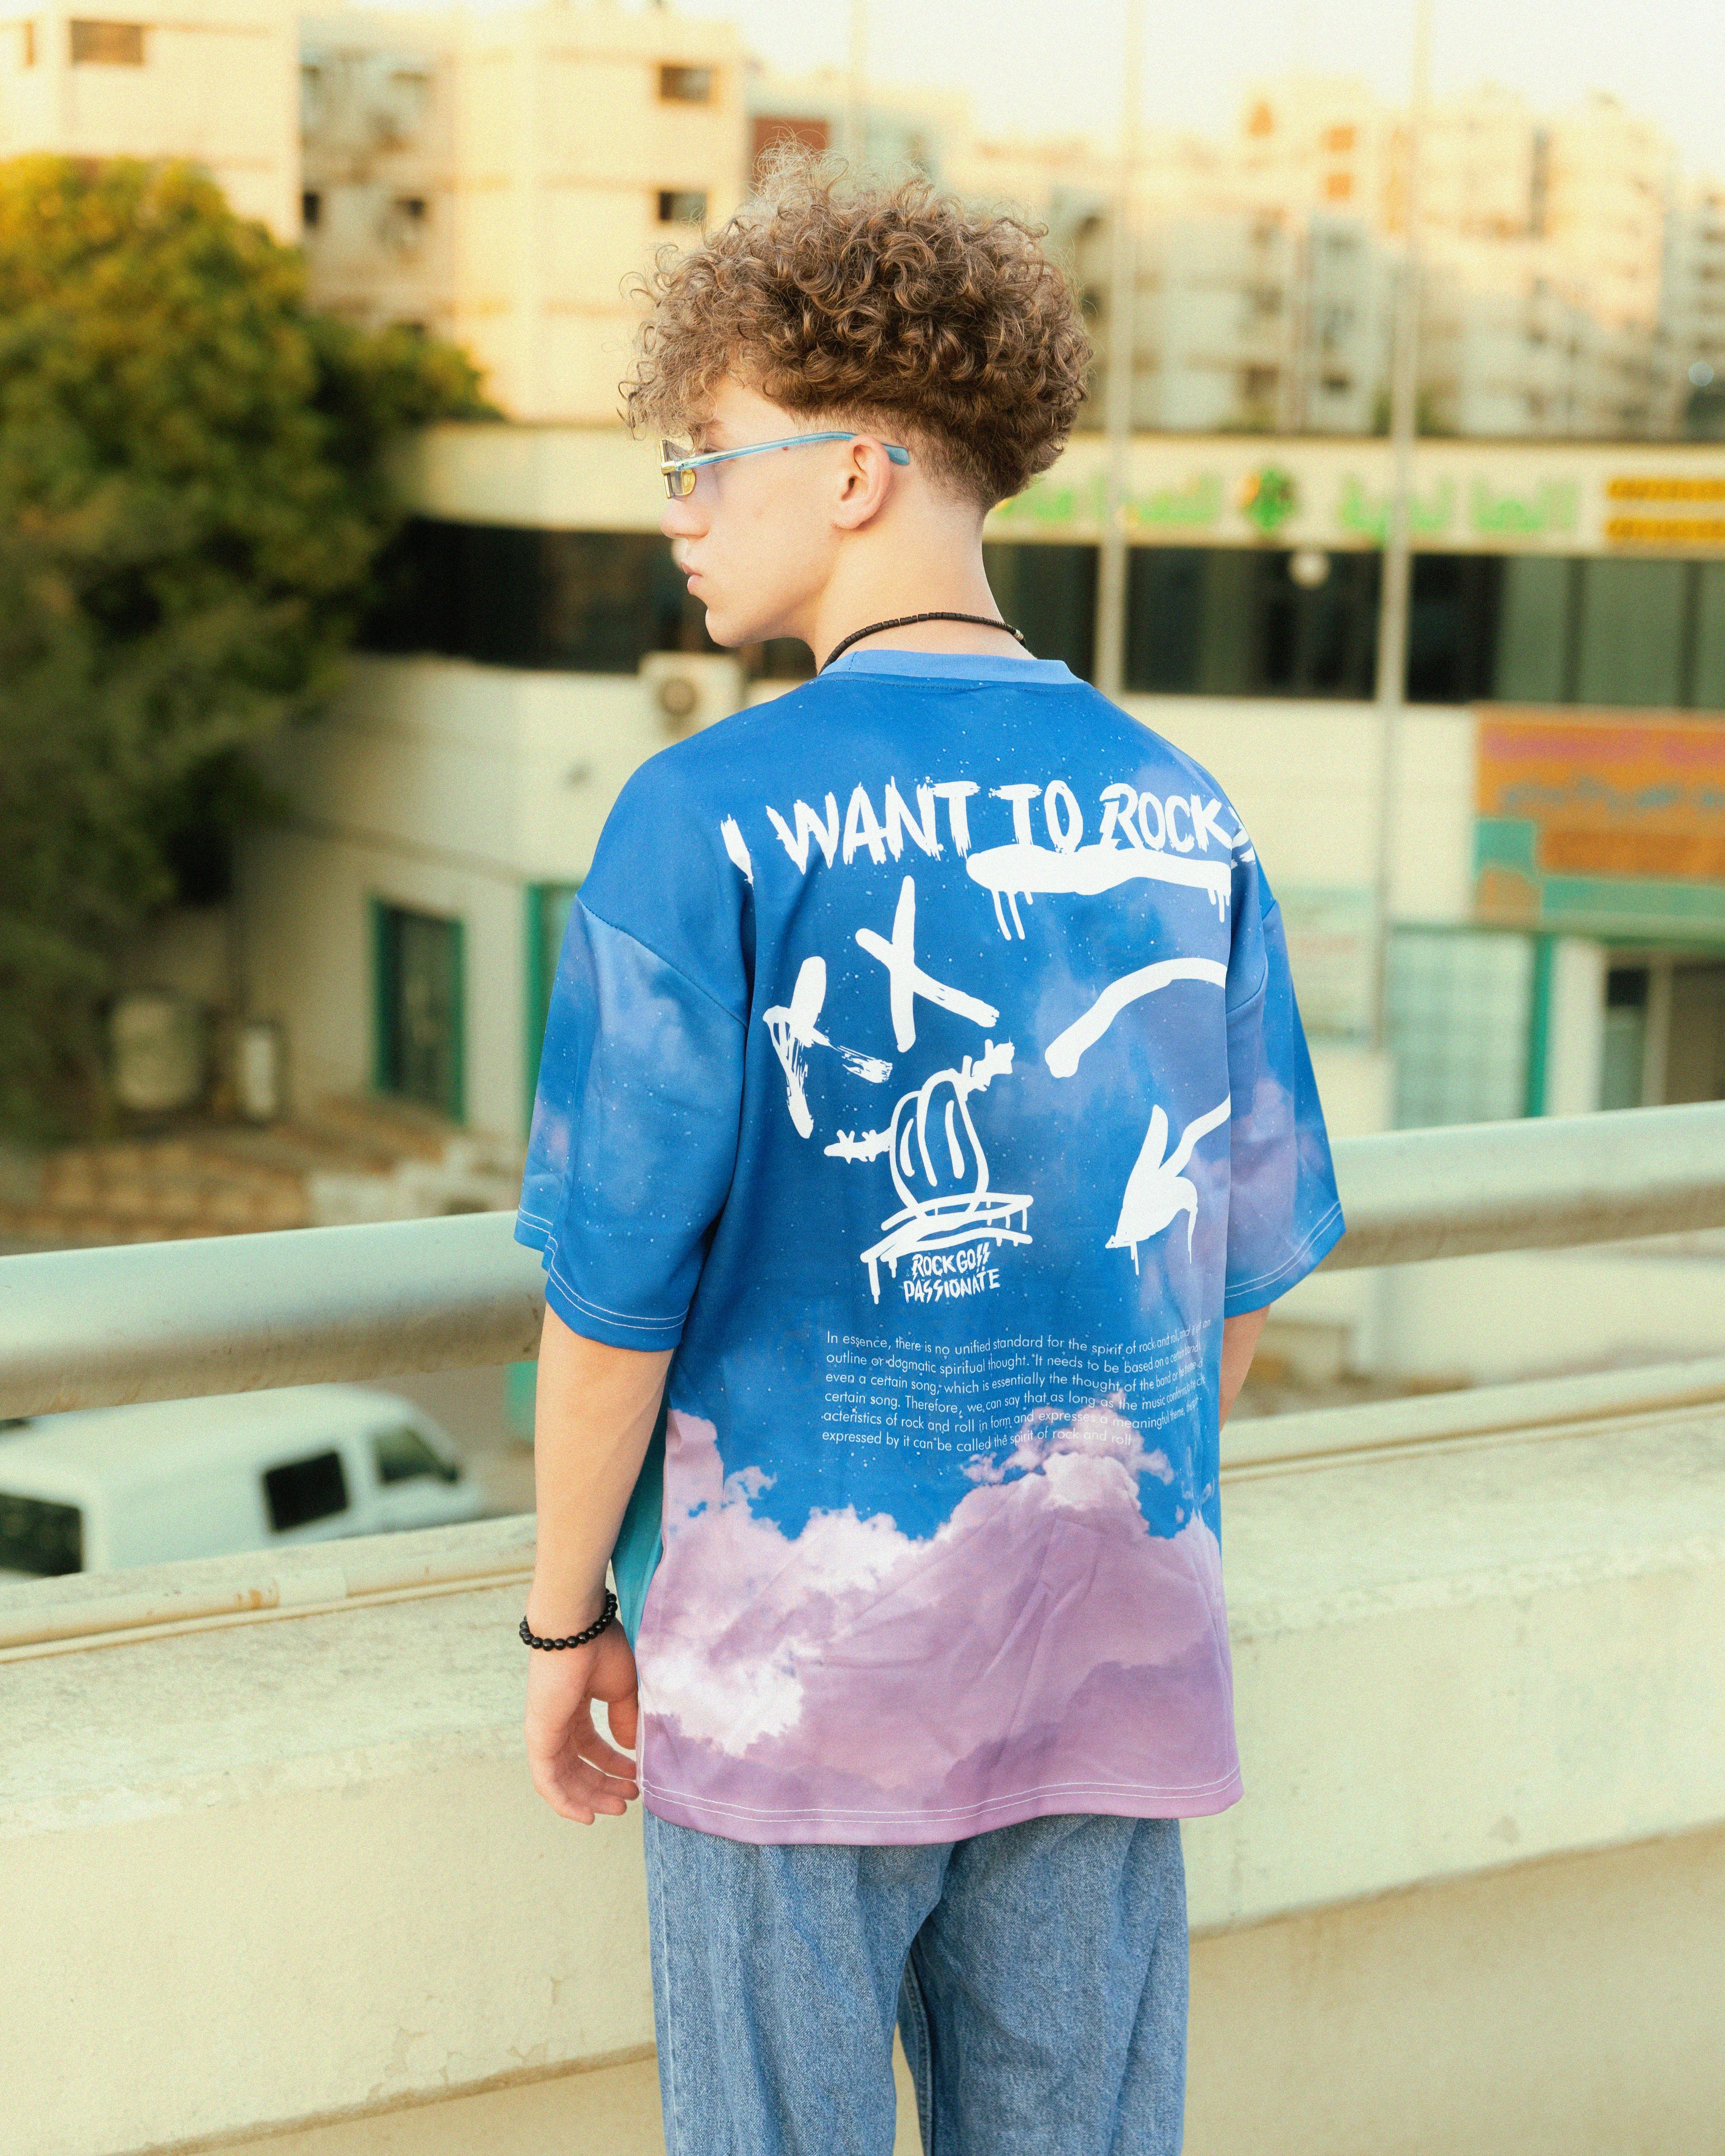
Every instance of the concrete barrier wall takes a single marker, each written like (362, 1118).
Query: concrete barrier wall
(286, 1877)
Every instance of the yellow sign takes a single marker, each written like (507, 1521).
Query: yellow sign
(1663, 493)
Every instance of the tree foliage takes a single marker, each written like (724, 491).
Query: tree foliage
(194, 486)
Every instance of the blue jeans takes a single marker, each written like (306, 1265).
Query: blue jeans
(1036, 1973)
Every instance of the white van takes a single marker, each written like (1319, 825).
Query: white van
(112, 1486)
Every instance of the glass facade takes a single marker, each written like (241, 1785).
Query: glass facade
(1215, 621)
(566, 602)
(1049, 592)
(1461, 1010)
(1218, 621)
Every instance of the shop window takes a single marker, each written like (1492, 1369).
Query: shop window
(1459, 1009)
(682, 206)
(1049, 592)
(1694, 1032)
(1624, 1052)
(1707, 686)
(686, 85)
(1452, 611)
(107, 44)
(418, 981)
(1532, 659)
(1235, 622)
(1629, 648)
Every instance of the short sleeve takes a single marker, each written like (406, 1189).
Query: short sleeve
(1283, 1212)
(634, 1135)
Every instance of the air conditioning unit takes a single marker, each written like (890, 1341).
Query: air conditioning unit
(689, 689)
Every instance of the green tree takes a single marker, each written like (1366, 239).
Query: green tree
(194, 489)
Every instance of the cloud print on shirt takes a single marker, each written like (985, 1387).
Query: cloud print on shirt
(855, 1673)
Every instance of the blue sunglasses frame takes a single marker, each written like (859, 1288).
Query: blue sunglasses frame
(680, 468)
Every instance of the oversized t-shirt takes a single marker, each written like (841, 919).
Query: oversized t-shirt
(924, 1069)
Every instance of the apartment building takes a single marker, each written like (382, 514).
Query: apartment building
(499, 176)
(212, 81)
(1695, 311)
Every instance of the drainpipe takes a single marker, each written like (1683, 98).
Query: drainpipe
(1392, 601)
(1118, 411)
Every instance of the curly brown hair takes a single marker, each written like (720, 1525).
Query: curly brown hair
(894, 305)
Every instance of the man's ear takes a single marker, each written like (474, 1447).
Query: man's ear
(868, 478)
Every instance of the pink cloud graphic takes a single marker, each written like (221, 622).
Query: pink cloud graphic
(1042, 1652)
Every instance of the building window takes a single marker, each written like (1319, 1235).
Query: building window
(686, 85)
(1216, 621)
(107, 44)
(26, 44)
(1338, 186)
(1665, 1032)
(773, 132)
(1049, 592)
(412, 209)
(682, 206)
(1339, 141)
(566, 602)
(1630, 647)
(312, 209)
(1531, 661)
(1623, 1064)
(419, 983)
(1707, 688)
(302, 1491)
(1460, 1010)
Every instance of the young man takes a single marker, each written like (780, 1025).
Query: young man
(924, 1101)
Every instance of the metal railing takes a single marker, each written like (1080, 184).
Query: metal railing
(229, 1314)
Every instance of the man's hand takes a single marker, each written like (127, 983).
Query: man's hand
(575, 1770)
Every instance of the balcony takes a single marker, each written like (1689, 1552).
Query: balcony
(275, 1872)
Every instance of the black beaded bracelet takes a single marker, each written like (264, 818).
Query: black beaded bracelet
(530, 1639)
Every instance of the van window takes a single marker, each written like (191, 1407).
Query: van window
(306, 1490)
(40, 1537)
(401, 1453)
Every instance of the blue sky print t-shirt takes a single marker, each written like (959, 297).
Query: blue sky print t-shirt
(923, 1066)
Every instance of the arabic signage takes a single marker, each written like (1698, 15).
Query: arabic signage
(1468, 497)
(1619, 820)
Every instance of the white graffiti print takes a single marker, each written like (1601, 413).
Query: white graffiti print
(1157, 1191)
(1063, 1052)
(1154, 851)
(794, 1031)
(906, 980)
(940, 1174)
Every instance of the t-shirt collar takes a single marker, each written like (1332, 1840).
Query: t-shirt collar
(949, 666)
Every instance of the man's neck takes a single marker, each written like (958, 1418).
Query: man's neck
(879, 584)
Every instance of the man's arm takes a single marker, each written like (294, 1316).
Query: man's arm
(1239, 1342)
(593, 1415)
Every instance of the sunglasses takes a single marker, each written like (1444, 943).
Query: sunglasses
(682, 467)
